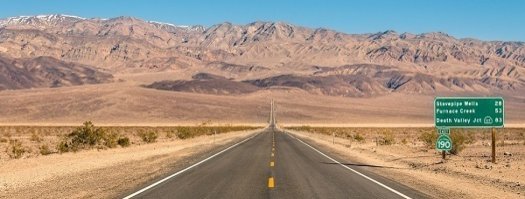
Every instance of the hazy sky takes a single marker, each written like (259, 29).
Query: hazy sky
(482, 19)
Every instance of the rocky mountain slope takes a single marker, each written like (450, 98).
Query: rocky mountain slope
(46, 72)
(206, 83)
(318, 60)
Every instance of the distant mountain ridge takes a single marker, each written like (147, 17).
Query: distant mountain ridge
(42, 72)
(388, 61)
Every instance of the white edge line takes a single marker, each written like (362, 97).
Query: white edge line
(188, 168)
(357, 172)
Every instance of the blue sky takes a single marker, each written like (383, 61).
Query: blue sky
(482, 19)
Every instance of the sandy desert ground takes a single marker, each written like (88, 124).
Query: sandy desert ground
(126, 102)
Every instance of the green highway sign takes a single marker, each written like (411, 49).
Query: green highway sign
(469, 112)
(444, 143)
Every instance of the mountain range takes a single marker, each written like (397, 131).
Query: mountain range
(63, 50)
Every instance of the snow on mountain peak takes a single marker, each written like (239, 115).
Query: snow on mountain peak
(162, 23)
(170, 25)
(39, 19)
(44, 21)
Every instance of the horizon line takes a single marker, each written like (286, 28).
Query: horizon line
(264, 21)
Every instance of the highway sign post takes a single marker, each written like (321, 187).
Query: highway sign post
(470, 112)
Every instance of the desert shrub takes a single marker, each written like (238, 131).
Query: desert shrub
(305, 128)
(470, 138)
(386, 139)
(429, 138)
(458, 142)
(110, 140)
(44, 149)
(170, 134)
(35, 137)
(15, 149)
(184, 132)
(62, 147)
(148, 136)
(358, 137)
(3, 139)
(404, 141)
(123, 141)
(84, 137)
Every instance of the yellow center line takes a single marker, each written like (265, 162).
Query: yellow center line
(271, 183)
(272, 154)
(272, 164)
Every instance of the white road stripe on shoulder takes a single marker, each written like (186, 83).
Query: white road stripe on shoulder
(357, 172)
(188, 168)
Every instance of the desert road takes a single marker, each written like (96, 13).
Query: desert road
(274, 164)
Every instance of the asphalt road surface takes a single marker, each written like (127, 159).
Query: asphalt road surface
(274, 164)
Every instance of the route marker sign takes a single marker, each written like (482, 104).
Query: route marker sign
(444, 143)
(443, 131)
(469, 112)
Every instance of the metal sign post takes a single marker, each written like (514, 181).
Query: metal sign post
(493, 146)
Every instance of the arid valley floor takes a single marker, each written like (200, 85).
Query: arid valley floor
(98, 108)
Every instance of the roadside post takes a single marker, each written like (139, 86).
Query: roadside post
(469, 112)
(493, 146)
